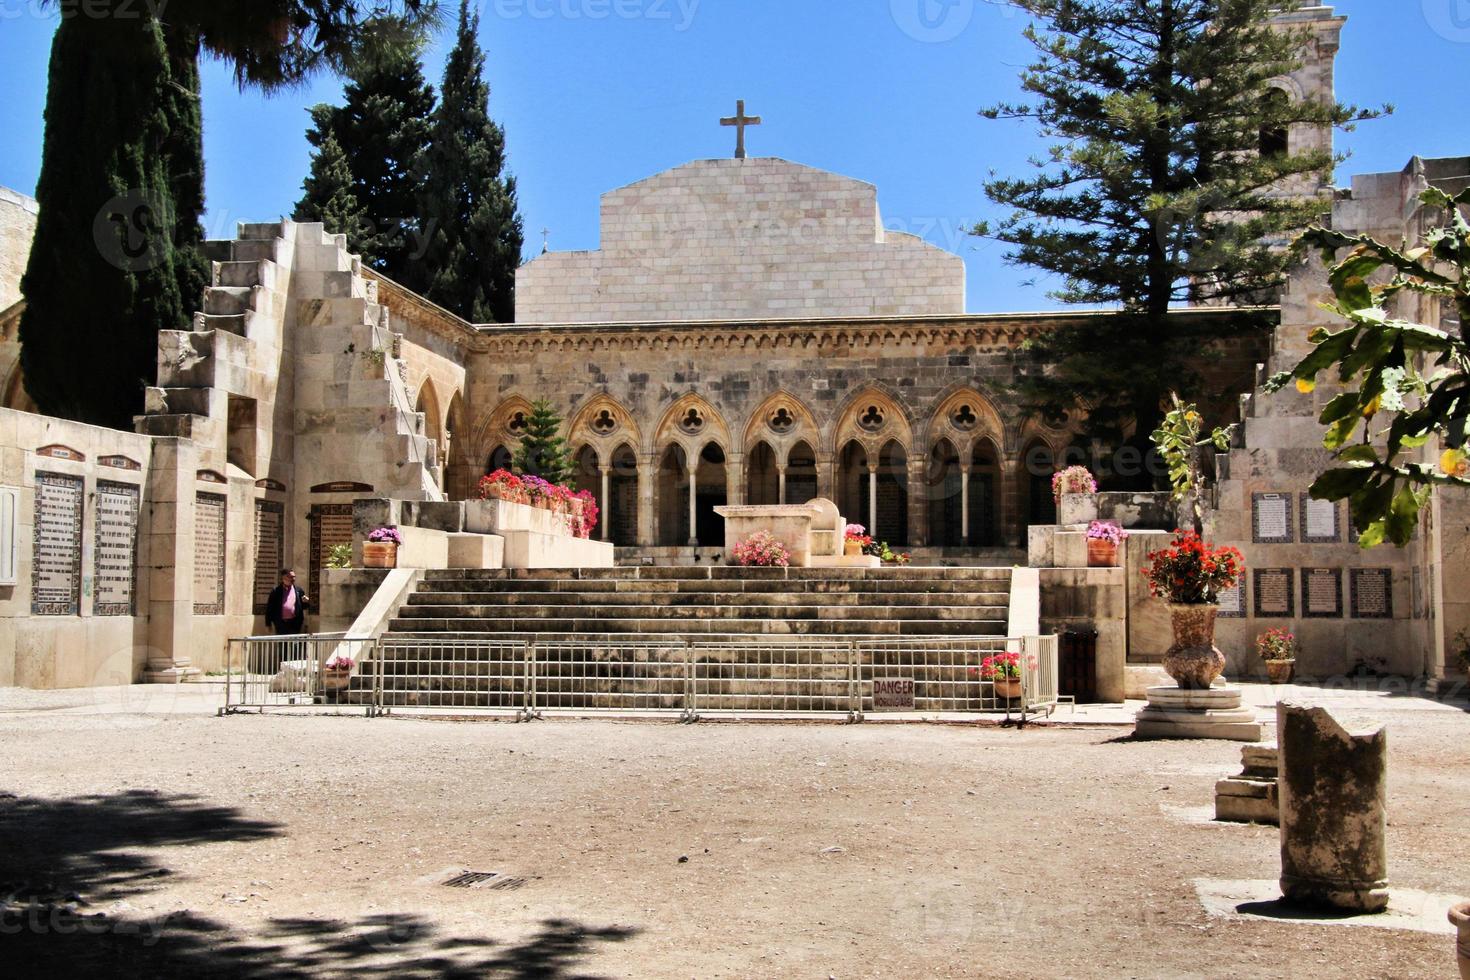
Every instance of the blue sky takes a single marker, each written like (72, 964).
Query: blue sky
(595, 94)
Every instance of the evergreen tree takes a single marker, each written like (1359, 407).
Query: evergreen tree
(115, 257)
(1170, 181)
(379, 132)
(543, 452)
(329, 196)
(470, 220)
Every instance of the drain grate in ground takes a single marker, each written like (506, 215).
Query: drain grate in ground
(484, 879)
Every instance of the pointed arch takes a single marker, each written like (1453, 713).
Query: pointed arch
(603, 423)
(964, 416)
(502, 427)
(460, 467)
(692, 423)
(781, 421)
(427, 405)
(872, 417)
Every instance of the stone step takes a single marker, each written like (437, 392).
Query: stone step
(678, 600)
(259, 230)
(730, 572)
(227, 300)
(235, 323)
(716, 586)
(473, 627)
(779, 611)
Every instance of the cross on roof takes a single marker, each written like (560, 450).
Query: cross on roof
(740, 120)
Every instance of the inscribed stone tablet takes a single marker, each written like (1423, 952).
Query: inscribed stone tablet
(1372, 593)
(1271, 518)
(270, 521)
(1322, 593)
(116, 552)
(1232, 602)
(209, 554)
(1320, 524)
(1273, 591)
(56, 563)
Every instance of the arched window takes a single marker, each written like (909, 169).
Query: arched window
(1275, 137)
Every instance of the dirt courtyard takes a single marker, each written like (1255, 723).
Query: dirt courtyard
(142, 836)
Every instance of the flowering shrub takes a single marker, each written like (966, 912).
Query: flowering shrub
(858, 533)
(584, 519)
(340, 662)
(882, 551)
(1277, 644)
(505, 485)
(762, 550)
(1004, 666)
(1191, 572)
(1073, 479)
(388, 534)
(1106, 531)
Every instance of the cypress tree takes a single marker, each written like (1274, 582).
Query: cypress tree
(378, 132)
(1171, 181)
(543, 452)
(473, 232)
(328, 193)
(115, 256)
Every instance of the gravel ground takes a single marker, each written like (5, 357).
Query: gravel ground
(140, 836)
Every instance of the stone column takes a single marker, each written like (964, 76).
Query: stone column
(693, 505)
(735, 478)
(965, 504)
(1012, 472)
(168, 513)
(1334, 817)
(826, 477)
(606, 517)
(781, 479)
(918, 500)
(647, 484)
(873, 499)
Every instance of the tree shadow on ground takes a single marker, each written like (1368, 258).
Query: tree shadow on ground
(61, 859)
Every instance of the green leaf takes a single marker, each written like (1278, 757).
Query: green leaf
(1341, 483)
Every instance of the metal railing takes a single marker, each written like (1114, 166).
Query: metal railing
(681, 675)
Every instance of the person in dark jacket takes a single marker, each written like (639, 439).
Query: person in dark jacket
(285, 610)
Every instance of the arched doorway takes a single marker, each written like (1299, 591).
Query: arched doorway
(762, 479)
(801, 474)
(620, 519)
(946, 496)
(587, 474)
(852, 483)
(893, 494)
(428, 406)
(1038, 466)
(711, 492)
(499, 459)
(673, 497)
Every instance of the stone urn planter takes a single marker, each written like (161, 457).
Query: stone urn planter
(852, 549)
(1102, 553)
(1194, 661)
(1007, 687)
(1460, 916)
(336, 681)
(380, 554)
(1280, 671)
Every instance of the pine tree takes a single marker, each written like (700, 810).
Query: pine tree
(115, 257)
(379, 131)
(329, 196)
(1170, 181)
(543, 452)
(470, 219)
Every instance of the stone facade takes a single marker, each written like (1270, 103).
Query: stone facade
(738, 239)
(17, 228)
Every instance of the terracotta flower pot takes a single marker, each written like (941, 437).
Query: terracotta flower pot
(1102, 553)
(1460, 916)
(853, 549)
(380, 554)
(1280, 671)
(1194, 661)
(1008, 687)
(336, 680)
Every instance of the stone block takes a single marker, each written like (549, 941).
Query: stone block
(1334, 811)
(1077, 508)
(476, 551)
(1070, 550)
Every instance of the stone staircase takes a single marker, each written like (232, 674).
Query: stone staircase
(587, 623)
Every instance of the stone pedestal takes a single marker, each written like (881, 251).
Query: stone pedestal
(1334, 814)
(1252, 796)
(1173, 712)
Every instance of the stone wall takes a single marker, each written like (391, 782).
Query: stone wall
(17, 228)
(729, 239)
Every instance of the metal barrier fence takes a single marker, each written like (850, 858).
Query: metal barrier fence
(688, 676)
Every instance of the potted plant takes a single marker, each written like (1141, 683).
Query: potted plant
(1189, 575)
(503, 485)
(884, 553)
(1073, 479)
(1003, 670)
(1103, 539)
(856, 540)
(538, 491)
(337, 673)
(762, 550)
(1460, 916)
(381, 548)
(1278, 648)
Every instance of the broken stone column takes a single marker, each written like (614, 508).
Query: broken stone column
(1334, 817)
(1251, 797)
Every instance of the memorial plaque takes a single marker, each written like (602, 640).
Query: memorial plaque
(210, 476)
(343, 486)
(1273, 592)
(331, 524)
(270, 549)
(893, 694)
(1322, 593)
(1372, 593)
(1321, 523)
(1271, 518)
(116, 552)
(61, 452)
(209, 554)
(1232, 601)
(268, 484)
(56, 562)
(119, 463)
